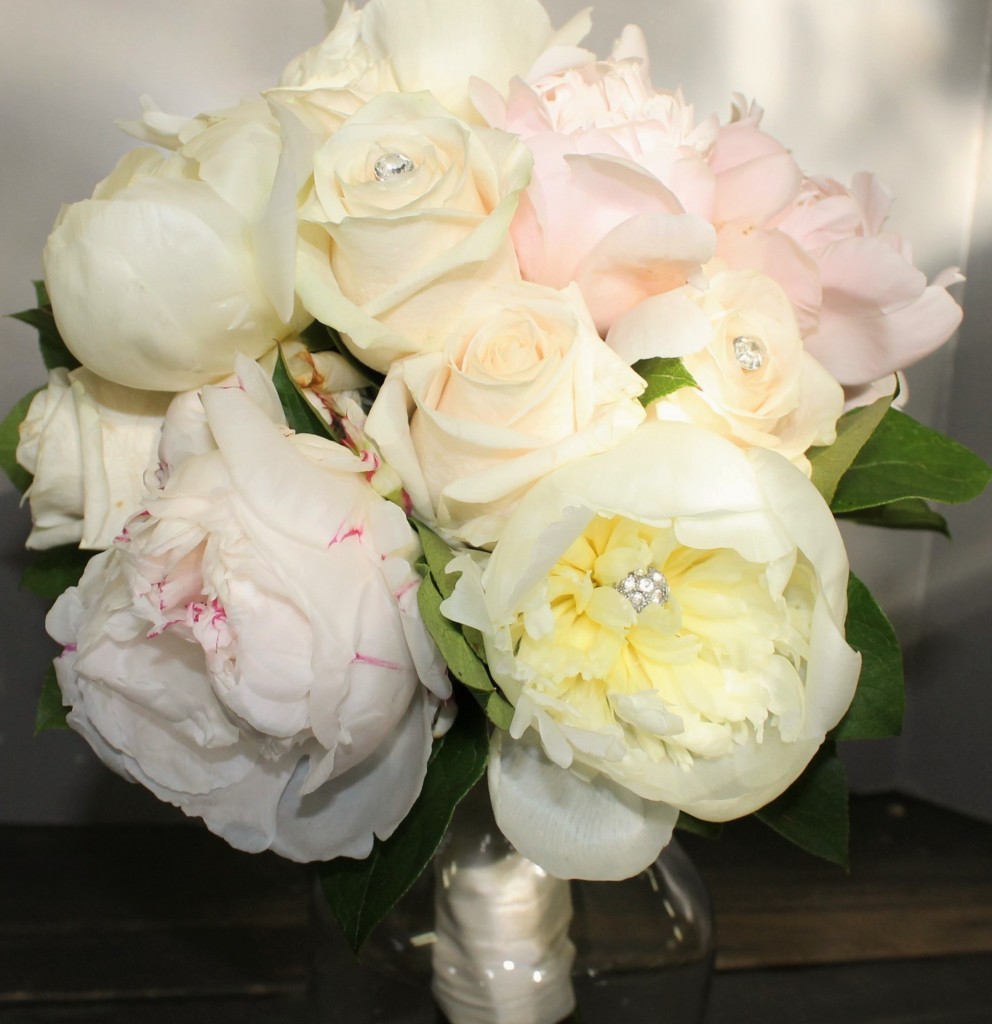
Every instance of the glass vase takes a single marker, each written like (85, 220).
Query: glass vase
(487, 937)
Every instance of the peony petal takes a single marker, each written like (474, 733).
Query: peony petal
(341, 818)
(648, 254)
(572, 827)
(438, 45)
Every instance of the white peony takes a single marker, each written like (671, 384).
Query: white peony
(432, 45)
(179, 262)
(87, 442)
(712, 701)
(251, 649)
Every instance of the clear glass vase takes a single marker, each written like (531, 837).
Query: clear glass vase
(487, 937)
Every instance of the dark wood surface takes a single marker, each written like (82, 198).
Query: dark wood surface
(168, 924)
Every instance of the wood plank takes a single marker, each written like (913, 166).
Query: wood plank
(99, 916)
(920, 885)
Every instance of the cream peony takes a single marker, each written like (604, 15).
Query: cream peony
(391, 258)
(427, 45)
(134, 312)
(523, 384)
(758, 386)
(251, 649)
(710, 700)
(87, 442)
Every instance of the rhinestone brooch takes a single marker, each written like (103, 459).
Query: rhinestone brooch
(644, 587)
(392, 165)
(749, 353)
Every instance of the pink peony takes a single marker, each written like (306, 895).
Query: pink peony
(864, 309)
(610, 154)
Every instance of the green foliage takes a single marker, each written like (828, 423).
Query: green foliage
(51, 712)
(300, 414)
(362, 892)
(904, 459)
(877, 708)
(10, 433)
(53, 349)
(461, 648)
(53, 571)
(812, 812)
(907, 514)
(853, 430)
(663, 376)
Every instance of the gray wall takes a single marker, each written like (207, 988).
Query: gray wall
(899, 87)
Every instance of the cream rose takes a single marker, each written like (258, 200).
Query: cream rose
(134, 311)
(740, 340)
(406, 225)
(523, 384)
(87, 442)
(668, 621)
(250, 650)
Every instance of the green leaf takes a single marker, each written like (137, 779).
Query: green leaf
(905, 459)
(879, 700)
(53, 349)
(664, 376)
(437, 554)
(463, 663)
(854, 428)
(460, 646)
(300, 414)
(707, 829)
(812, 812)
(907, 514)
(362, 892)
(51, 712)
(53, 571)
(10, 434)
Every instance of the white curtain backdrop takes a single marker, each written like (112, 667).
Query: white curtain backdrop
(899, 87)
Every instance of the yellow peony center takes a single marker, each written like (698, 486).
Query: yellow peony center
(689, 676)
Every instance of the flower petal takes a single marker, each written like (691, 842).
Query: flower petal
(572, 827)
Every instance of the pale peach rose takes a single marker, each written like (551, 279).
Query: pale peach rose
(739, 338)
(522, 385)
(391, 258)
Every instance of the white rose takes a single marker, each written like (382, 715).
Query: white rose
(179, 262)
(87, 443)
(523, 384)
(712, 701)
(251, 650)
(390, 263)
(740, 340)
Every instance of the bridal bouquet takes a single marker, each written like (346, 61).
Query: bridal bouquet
(464, 404)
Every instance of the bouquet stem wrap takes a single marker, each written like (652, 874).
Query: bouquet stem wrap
(502, 953)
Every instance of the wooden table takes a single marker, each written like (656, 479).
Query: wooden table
(143, 925)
